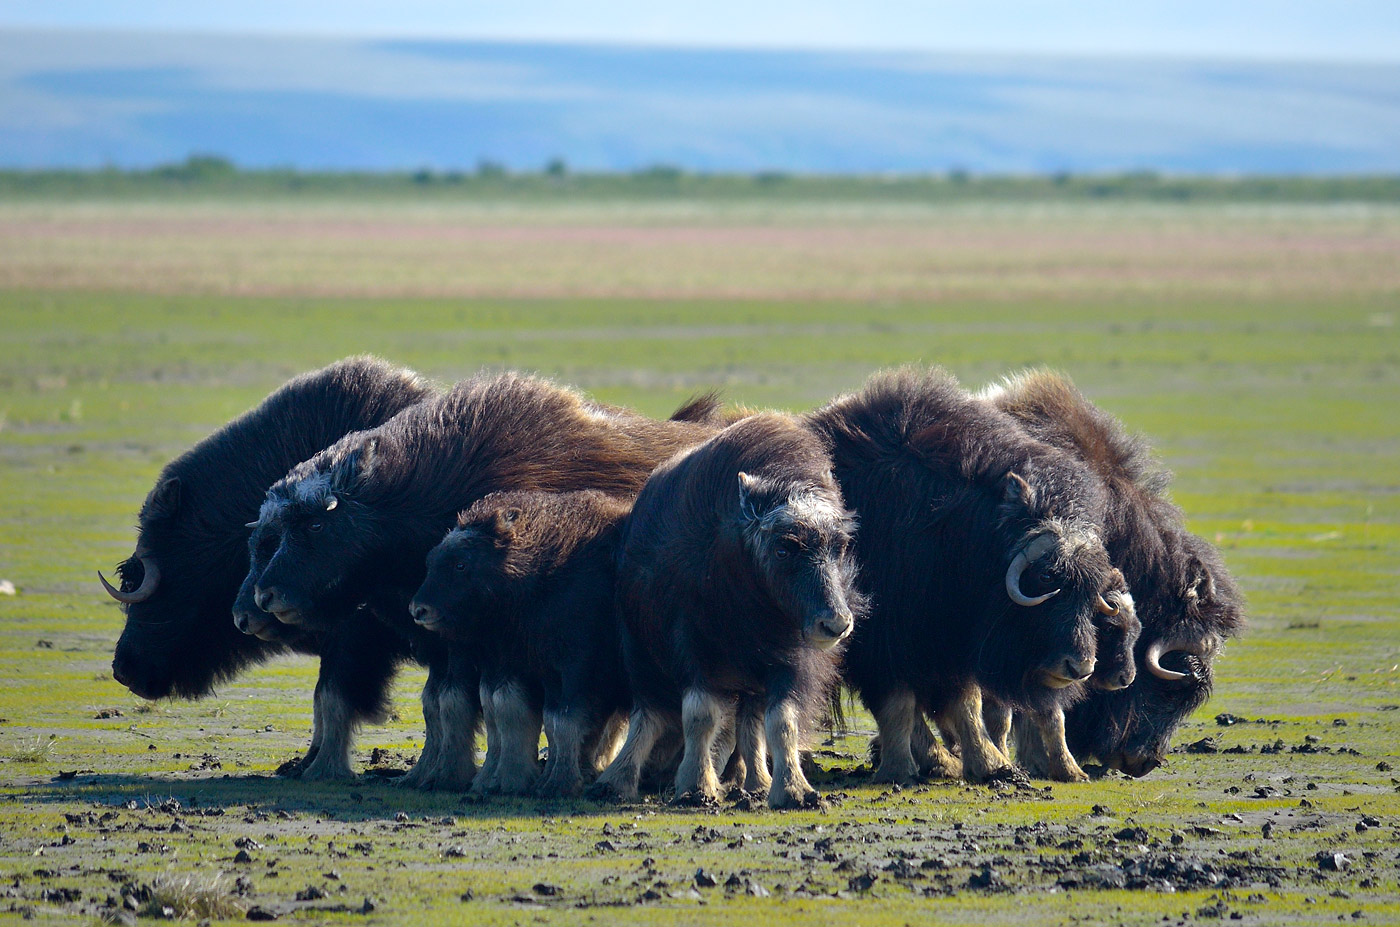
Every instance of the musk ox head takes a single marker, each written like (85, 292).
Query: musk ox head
(174, 591)
(310, 536)
(799, 538)
(1185, 624)
(1117, 629)
(1057, 583)
(470, 573)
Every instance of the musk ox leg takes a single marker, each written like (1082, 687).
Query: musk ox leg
(703, 716)
(609, 741)
(981, 759)
(896, 718)
(330, 759)
(486, 781)
(753, 748)
(784, 729)
(518, 723)
(563, 772)
(997, 718)
(421, 775)
(459, 717)
(619, 781)
(934, 759)
(1048, 755)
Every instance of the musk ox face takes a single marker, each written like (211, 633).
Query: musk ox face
(174, 642)
(1118, 630)
(467, 576)
(1185, 625)
(799, 538)
(301, 548)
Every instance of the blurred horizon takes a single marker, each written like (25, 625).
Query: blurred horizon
(133, 98)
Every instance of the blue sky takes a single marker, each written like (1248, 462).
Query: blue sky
(1338, 30)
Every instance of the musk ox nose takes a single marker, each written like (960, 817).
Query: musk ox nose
(423, 614)
(836, 626)
(1139, 766)
(263, 598)
(1119, 680)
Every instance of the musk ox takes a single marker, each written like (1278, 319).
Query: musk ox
(178, 586)
(735, 585)
(1186, 600)
(525, 582)
(354, 523)
(981, 551)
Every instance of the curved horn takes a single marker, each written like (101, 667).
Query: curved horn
(150, 576)
(1104, 608)
(1031, 552)
(1155, 652)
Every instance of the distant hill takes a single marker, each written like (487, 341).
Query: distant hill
(87, 99)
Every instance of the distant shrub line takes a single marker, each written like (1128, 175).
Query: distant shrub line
(213, 175)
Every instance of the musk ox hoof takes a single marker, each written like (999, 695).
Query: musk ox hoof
(695, 799)
(420, 776)
(322, 769)
(559, 787)
(607, 792)
(1007, 775)
(810, 799)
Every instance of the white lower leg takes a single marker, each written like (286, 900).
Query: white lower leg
(790, 787)
(981, 758)
(997, 717)
(753, 748)
(456, 755)
(934, 760)
(896, 719)
(562, 774)
(702, 716)
(337, 725)
(519, 726)
(609, 742)
(423, 771)
(1060, 762)
(486, 776)
(644, 729)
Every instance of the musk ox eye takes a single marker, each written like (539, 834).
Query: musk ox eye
(460, 566)
(315, 526)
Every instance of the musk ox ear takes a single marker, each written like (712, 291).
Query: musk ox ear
(747, 485)
(1018, 490)
(164, 500)
(359, 463)
(503, 524)
(1200, 586)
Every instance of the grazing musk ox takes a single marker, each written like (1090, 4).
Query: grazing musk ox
(980, 549)
(192, 550)
(735, 584)
(355, 522)
(525, 582)
(1187, 601)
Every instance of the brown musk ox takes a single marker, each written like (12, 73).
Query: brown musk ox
(981, 552)
(736, 591)
(355, 522)
(525, 583)
(179, 585)
(1185, 598)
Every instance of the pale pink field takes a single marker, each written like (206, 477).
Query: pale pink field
(350, 248)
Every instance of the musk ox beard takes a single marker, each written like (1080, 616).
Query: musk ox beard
(525, 583)
(981, 551)
(736, 591)
(180, 584)
(1186, 600)
(354, 523)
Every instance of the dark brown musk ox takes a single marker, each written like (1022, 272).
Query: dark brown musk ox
(179, 585)
(1186, 600)
(735, 586)
(981, 551)
(355, 522)
(525, 582)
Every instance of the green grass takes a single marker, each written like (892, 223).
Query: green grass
(1277, 408)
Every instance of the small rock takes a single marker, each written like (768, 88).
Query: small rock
(7, 587)
(544, 888)
(243, 856)
(863, 882)
(704, 880)
(310, 893)
(369, 906)
(1331, 861)
(756, 890)
(259, 913)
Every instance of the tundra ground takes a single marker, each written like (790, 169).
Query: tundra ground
(1258, 347)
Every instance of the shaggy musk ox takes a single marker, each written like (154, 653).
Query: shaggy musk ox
(354, 523)
(192, 548)
(735, 586)
(980, 549)
(1187, 601)
(525, 582)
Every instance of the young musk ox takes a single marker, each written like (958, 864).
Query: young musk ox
(526, 583)
(178, 586)
(1186, 600)
(735, 584)
(980, 549)
(355, 522)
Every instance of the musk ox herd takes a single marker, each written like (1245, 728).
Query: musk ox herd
(679, 602)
